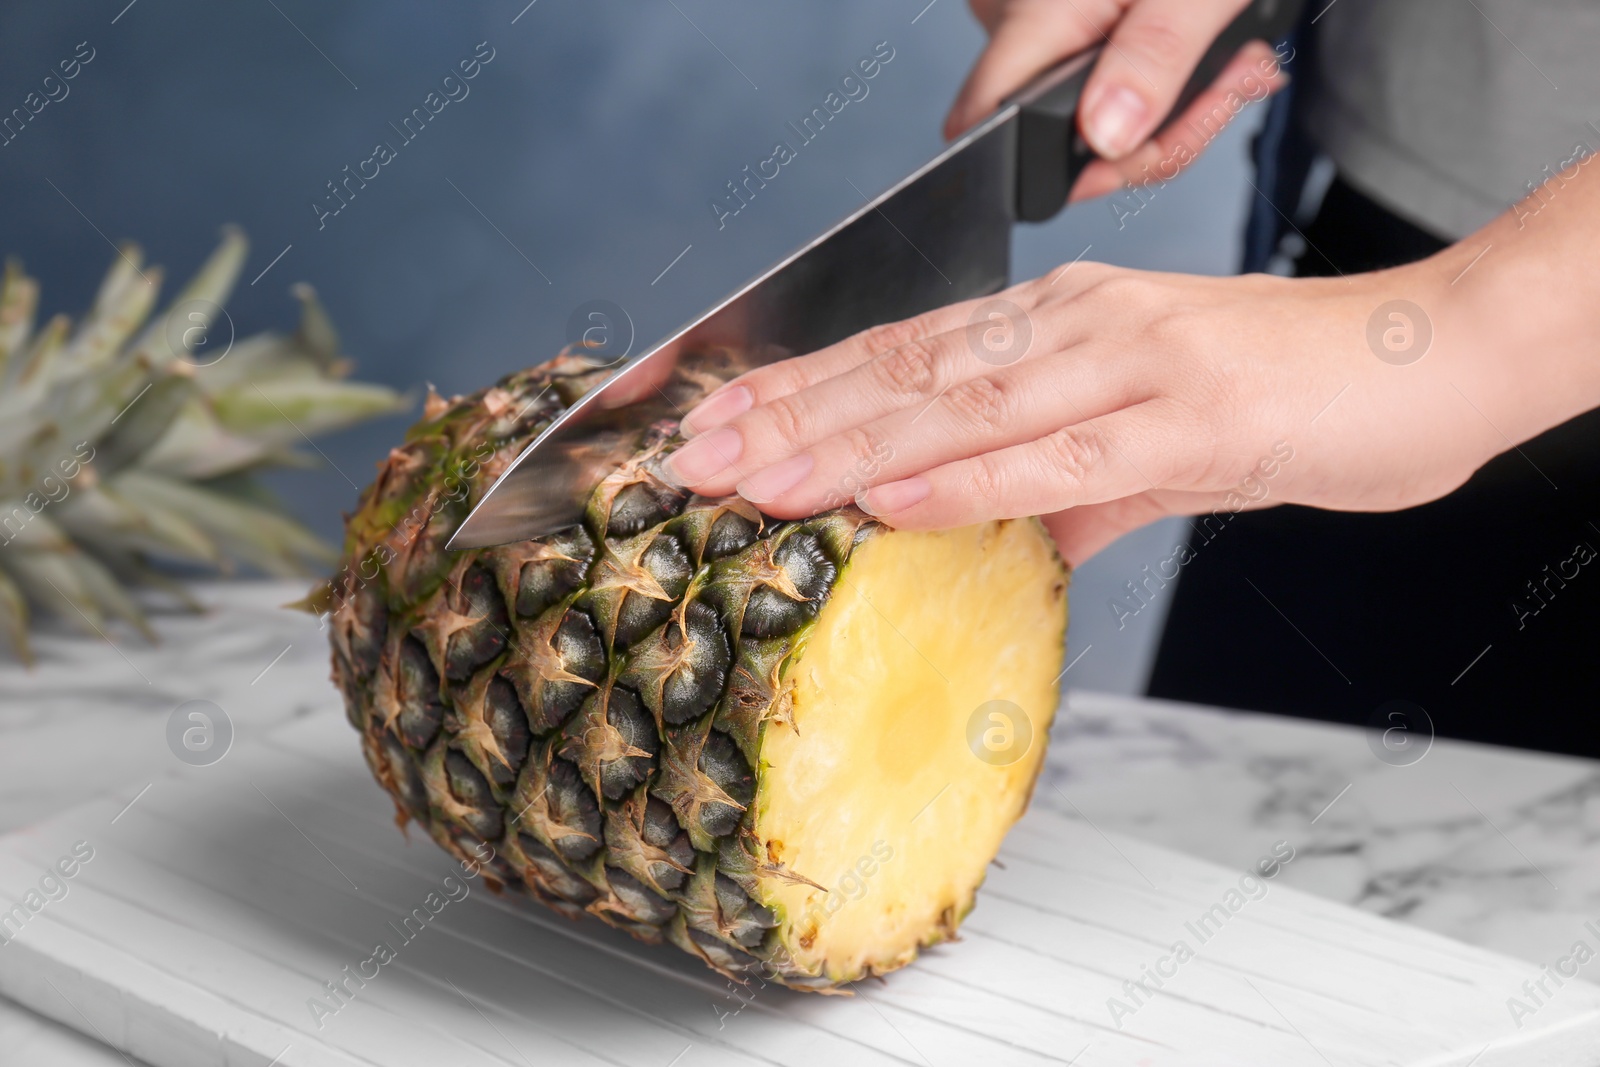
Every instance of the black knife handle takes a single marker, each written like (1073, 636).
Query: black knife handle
(1051, 153)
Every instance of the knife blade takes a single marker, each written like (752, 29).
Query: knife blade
(938, 236)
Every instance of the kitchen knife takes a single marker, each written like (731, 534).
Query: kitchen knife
(940, 235)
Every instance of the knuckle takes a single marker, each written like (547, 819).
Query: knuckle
(790, 420)
(866, 446)
(891, 335)
(1091, 272)
(1074, 453)
(906, 370)
(986, 480)
(979, 400)
(1120, 289)
(1173, 329)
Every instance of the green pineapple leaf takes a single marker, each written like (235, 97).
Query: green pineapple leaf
(127, 444)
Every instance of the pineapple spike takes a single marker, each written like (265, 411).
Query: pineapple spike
(316, 334)
(125, 268)
(100, 337)
(19, 298)
(779, 871)
(98, 515)
(100, 585)
(213, 282)
(122, 304)
(143, 423)
(14, 618)
(130, 570)
(41, 355)
(47, 576)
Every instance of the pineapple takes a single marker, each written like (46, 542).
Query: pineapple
(119, 449)
(762, 741)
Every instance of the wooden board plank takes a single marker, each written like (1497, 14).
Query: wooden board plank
(218, 905)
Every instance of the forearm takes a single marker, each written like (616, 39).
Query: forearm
(1519, 324)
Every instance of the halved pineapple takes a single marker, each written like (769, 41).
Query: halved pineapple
(789, 748)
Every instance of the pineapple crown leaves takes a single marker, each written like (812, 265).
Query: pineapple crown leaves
(121, 445)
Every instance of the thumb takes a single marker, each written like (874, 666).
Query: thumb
(1148, 59)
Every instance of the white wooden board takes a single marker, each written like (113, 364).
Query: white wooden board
(217, 905)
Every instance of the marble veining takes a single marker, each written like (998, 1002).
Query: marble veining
(1491, 846)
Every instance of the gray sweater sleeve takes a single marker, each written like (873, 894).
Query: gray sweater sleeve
(1449, 111)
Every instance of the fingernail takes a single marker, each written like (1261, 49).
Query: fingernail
(717, 409)
(704, 457)
(767, 485)
(1114, 122)
(890, 497)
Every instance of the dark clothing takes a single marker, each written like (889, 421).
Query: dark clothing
(1482, 607)
(1352, 234)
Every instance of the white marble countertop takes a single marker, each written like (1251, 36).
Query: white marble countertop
(1494, 847)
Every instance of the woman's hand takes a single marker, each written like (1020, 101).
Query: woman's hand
(1104, 398)
(1150, 49)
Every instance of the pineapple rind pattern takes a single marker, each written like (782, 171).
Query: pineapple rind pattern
(590, 703)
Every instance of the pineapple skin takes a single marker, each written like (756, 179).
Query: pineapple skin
(593, 704)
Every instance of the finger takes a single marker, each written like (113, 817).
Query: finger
(985, 413)
(747, 451)
(1032, 36)
(1252, 75)
(766, 384)
(1146, 63)
(1090, 462)
(639, 381)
